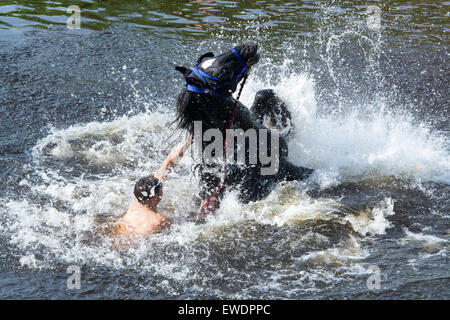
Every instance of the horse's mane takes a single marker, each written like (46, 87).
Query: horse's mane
(211, 111)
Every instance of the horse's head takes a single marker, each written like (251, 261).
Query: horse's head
(221, 74)
(209, 82)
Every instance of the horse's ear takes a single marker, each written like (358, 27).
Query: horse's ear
(203, 56)
(189, 80)
(184, 71)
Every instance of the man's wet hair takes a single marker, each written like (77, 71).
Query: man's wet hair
(146, 189)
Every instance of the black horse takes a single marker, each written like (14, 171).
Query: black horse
(207, 97)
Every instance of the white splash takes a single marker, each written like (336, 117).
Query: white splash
(357, 145)
(373, 222)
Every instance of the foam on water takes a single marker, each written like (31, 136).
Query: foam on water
(428, 242)
(430, 247)
(347, 252)
(96, 137)
(373, 222)
(368, 142)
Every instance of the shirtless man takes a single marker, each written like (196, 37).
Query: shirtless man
(142, 216)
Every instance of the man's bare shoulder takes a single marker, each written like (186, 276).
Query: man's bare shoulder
(142, 219)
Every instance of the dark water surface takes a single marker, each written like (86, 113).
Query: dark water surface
(85, 112)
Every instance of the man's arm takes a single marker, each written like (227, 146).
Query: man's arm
(172, 159)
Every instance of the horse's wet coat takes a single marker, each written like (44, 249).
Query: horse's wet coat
(215, 112)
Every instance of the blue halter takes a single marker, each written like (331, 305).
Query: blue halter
(202, 76)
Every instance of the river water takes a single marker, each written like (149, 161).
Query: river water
(85, 112)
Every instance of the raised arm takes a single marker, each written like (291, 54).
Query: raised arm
(172, 159)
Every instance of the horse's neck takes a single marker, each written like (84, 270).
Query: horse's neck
(219, 111)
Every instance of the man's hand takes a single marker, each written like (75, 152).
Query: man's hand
(172, 159)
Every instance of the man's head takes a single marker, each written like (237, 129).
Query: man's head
(148, 190)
